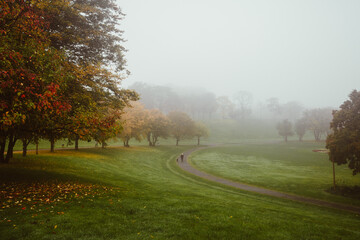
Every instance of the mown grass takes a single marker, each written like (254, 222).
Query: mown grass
(289, 167)
(151, 198)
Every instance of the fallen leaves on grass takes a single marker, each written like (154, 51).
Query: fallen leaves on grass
(35, 195)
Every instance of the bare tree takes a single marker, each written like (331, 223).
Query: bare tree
(243, 101)
(318, 121)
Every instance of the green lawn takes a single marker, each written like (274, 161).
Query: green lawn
(289, 167)
(140, 193)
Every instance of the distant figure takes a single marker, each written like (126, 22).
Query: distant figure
(182, 157)
(177, 160)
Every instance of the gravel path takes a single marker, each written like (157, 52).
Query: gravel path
(187, 167)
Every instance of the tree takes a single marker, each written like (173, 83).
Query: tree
(344, 142)
(318, 121)
(300, 128)
(225, 106)
(274, 106)
(31, 80)
(285, 129)
(182, 126)
(156, 125)
(291, 110)
(133, 122)
(87, 30)
(105, 126)
(55, 76)
(200, 131)
(243, 101)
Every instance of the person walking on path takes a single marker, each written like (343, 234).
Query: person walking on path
(182, 157)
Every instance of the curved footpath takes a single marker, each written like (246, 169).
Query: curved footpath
(188, 168)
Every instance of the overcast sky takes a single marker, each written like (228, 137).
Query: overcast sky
(303, 50)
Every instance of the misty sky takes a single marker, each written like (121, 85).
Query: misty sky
(304, 50)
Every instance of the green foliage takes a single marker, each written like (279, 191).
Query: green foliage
(344, 142)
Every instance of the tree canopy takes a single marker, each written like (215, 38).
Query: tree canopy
(182, 126)
(55, 76)
(285, 129)
(344, 142)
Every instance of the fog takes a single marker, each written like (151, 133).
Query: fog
(303, 51)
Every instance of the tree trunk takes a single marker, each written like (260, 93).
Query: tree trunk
(9, 154)
(127, 143)
(52, 144)
(177, 142)
(333, 165)
(155, 140)
(25, 143)
(77, 142)
(149, 139)
(285, 138)
(37, 148)
(2, 151)
(198, 141)
(103, 144)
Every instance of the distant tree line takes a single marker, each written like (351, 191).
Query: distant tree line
(317, 121)
(197, 104)
(140, 124)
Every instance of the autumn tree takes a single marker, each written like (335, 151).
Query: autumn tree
(200, 131)
(156, 125)
(285, 129)
(182, 126)
(344, 142)
(88, 32)
(133, 120)
(30, 70)
(105, 126)
(55, 76)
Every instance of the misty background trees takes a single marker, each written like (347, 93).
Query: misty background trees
(239, 115)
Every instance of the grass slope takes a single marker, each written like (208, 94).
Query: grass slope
(289, 167)
(149, 197)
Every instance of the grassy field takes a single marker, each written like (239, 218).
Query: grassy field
(140, 193)
(289, 167)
